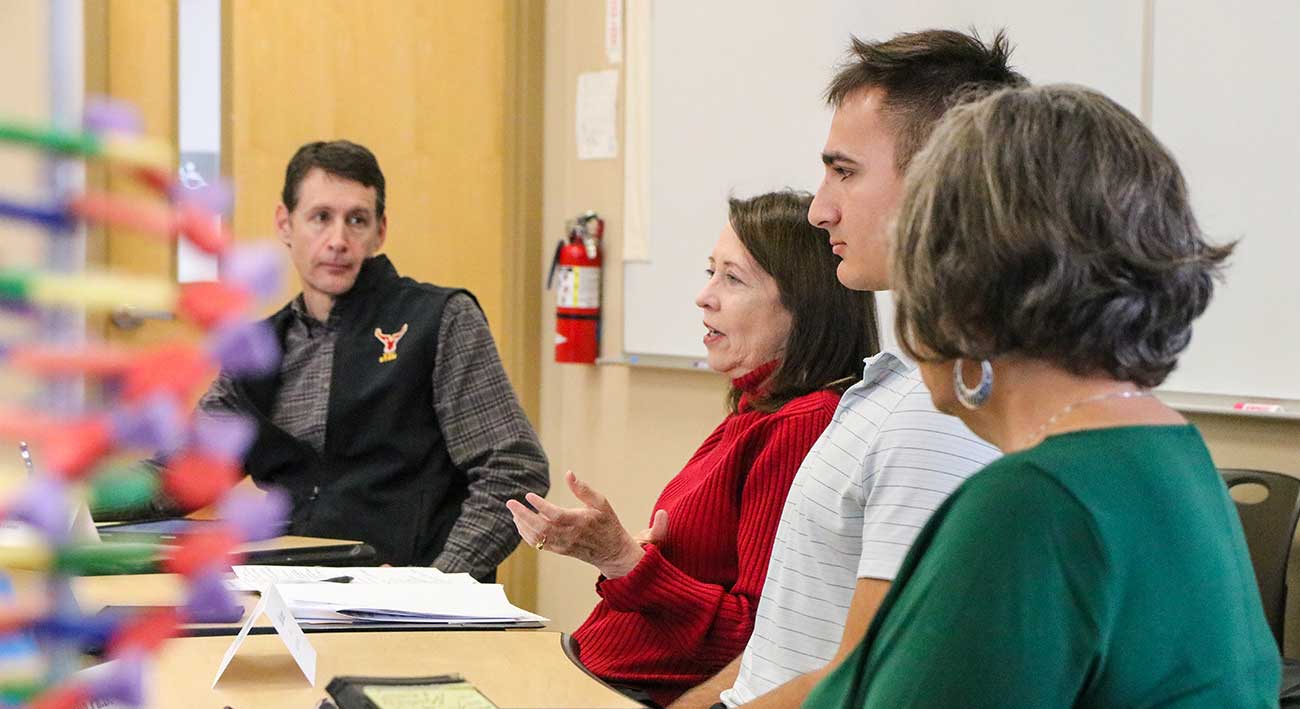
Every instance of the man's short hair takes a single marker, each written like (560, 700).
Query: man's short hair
(340, 158)
(922, 74)
(1049, 223)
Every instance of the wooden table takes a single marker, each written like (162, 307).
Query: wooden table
(512, 669)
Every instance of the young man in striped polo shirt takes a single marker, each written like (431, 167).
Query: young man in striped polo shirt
(888, 459)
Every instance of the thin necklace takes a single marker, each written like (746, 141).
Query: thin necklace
(1040, 433)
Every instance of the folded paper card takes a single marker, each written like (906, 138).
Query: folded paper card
(273, 604)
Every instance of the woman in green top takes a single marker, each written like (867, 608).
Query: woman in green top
(1046, 249)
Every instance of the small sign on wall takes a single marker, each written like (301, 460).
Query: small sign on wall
(197, 169)
(596, 113)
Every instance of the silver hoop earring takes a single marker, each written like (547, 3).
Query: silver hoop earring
(973, 398)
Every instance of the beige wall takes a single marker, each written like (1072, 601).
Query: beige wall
(1262, 444)
(629, 430)
(1243, 442)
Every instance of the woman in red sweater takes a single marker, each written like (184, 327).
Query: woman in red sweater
(678, 600)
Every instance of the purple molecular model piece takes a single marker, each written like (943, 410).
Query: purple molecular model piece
(245, 349)
(103, 115)
(209, 601)
(256, 516)
(124, 684)
(225, 436)
(153, 425)
(44, 505)
(258, 268)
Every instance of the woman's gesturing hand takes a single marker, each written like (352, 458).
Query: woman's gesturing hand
(592, 533)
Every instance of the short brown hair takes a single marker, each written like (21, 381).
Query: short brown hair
(1049, 223)
(340, 158)
(922, 74)
(832, 328)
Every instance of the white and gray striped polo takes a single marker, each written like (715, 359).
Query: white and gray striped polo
(885, 463)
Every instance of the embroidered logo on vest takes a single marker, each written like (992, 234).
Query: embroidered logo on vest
(390, 343)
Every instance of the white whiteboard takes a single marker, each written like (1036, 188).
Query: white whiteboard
(726, 113)
(735, 106)
(1226, 100)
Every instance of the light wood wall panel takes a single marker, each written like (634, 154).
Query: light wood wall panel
(447, 95)
(420, 84)
(130, 55)
(139, 66)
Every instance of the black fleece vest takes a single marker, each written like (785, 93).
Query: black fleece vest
(384, 476)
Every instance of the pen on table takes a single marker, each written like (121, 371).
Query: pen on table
(338, 579)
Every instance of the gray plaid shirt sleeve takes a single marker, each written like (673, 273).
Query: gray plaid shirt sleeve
(220, 396)
(488, 437)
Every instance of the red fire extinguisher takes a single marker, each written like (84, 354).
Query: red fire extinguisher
(577, 303)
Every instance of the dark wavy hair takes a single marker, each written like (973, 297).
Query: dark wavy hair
(833, 328)
(1049, 223)
(922, 74)
(340, 158)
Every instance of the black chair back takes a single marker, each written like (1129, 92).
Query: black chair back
(1270, 525)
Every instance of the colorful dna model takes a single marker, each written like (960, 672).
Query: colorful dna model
(143, 406)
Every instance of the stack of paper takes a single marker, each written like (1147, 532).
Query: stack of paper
(450, 603)
(259, 578)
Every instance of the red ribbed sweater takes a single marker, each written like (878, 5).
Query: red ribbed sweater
(687, 608)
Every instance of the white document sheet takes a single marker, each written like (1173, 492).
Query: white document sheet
(259, 578)
(415, 603)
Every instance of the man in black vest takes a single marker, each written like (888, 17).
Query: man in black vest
(391, 419)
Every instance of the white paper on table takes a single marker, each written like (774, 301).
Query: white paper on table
(272, 603)
(596, 114)
(257, 578)
(387, 617)
(414, 602)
